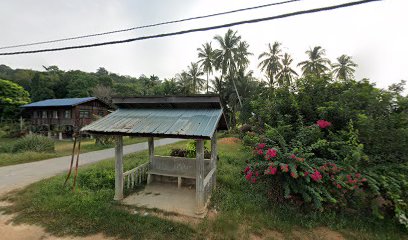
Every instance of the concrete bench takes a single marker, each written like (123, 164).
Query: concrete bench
(174, 167)
(168, 173)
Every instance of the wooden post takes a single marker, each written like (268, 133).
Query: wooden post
(200, 177)
(214, 159)
(150, 143)
(119, 168)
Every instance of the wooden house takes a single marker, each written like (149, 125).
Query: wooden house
(63, 116)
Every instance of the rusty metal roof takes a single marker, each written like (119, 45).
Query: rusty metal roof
(167, 122)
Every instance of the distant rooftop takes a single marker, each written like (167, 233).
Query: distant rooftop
(64, 102)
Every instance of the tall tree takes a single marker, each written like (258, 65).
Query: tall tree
(270, 61)
(12, 96)
(241, 57)
(225, 57)
(344, 68)
(286, 73)
(194, 73)
(184, 83)
(316, 64)
(206, 59)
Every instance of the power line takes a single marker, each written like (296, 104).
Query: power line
(150, 25)
(196, 29)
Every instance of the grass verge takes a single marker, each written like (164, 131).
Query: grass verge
(62, 148)
(244, 212)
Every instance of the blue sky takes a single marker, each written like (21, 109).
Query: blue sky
(375, 34)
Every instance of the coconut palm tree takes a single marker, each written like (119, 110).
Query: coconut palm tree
(194, 72)
(241, 57)
(344, 68)
(206, 56)
(286, 73)
(227, 55)
(184, 83)
(317, 64)
(270, 62)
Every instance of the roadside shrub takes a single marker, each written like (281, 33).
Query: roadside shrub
(388, 191)
(96, 179)
(190, 151)
(35, 143)
(327, 169)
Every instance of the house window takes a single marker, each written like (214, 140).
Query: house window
(67, 114)
(84, 114)
(44, 114)
(35, 114)
(55, 114)
(101, 113)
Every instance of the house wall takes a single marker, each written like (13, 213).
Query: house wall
(65, 119)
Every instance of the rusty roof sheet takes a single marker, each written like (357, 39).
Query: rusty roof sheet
(181, 123)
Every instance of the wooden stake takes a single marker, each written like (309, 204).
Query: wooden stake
(72, 161)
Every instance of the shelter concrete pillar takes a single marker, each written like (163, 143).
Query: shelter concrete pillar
(119, 168)
(150, 142)
(200, 203)
(213, 163)
(59, 135)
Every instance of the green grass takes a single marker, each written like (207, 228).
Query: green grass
(62, 148)
(243, 209)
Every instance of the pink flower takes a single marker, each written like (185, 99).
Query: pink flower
(323, 123)
(259, 152)
(270, 153)
(293, 156)
(316, 176)
(261, 145)
(256, 173)
(249, 175)
(358, 175)
(294, 175)
(247, 169)
(284, 168)
(253, 180)
(338, 186)
(273, 170)
(305, 174)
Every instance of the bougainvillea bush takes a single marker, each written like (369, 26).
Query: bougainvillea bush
(320, 168)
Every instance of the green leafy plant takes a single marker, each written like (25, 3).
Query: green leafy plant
(35, 143)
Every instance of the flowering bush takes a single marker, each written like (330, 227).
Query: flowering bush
(305, 180)
(314, 165)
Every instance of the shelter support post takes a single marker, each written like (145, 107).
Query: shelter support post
(200, 203)
(213, 162)
(150, 143)
(119, 168)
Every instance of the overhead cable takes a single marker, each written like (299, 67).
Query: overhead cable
(149, 26)
(286, 15)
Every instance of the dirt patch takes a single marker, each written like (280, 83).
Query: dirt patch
(10, 231)
(230, 140)
(167, 216)
(327, 234)
(268, 234)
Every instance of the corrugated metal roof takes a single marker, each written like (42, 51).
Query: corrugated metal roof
(59, 102)
(183, 123)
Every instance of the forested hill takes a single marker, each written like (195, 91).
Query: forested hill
(56, 83)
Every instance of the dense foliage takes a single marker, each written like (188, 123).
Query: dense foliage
(35, 143)
(12, 96)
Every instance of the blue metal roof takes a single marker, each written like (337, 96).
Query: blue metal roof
(183, 123)
(59, 102)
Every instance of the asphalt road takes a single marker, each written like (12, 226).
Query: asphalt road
(18, 176)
